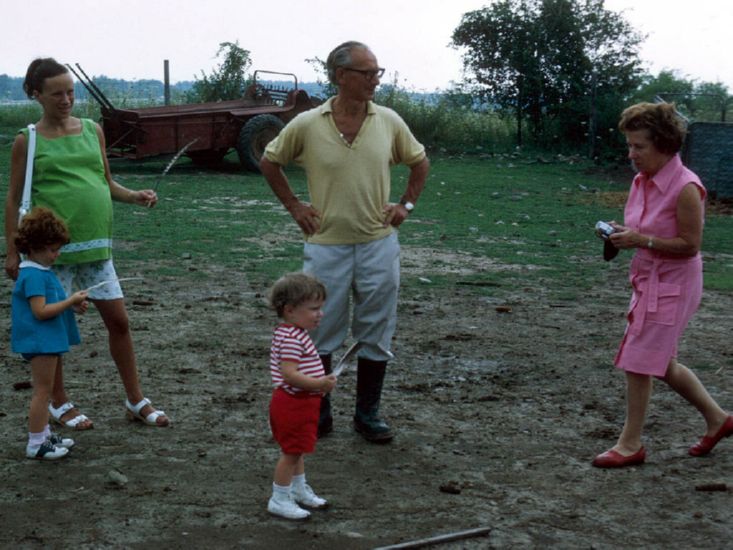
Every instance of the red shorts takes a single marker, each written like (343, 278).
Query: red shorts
(294, 420)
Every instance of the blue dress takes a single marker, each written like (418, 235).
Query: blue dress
(29, 335)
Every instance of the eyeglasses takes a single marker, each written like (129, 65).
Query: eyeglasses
(367, 74)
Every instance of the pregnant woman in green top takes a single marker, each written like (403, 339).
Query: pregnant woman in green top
(71, 176)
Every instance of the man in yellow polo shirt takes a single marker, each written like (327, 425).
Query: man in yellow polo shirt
(347, 146)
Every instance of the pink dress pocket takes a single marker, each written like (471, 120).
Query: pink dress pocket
(667, 307)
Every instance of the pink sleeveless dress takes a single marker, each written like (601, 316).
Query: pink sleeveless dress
(666, 289)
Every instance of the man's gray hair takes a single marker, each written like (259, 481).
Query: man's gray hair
(340, 56)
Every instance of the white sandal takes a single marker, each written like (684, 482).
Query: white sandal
(56, 414)
(133, 413)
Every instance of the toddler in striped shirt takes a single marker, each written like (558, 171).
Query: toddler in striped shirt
(299, 382)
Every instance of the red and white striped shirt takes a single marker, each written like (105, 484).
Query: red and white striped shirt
(293, 344)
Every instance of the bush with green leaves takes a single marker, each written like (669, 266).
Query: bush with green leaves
(228, 80)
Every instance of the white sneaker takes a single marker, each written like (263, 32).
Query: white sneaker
(286, 509)
(60, 441)
(305, 496)
(46, 451)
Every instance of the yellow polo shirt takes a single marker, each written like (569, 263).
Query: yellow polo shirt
(349, 184)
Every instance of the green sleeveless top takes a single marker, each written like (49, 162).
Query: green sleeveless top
(68, 178)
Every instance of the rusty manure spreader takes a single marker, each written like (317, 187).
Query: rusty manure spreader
(204, 131)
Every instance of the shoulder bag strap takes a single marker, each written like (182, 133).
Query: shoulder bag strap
(25, 203)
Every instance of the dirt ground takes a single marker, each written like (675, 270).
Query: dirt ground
(498, 415)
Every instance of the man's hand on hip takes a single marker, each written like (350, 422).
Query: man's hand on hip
(307, 217)
(394, 215)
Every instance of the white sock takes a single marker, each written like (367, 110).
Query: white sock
(36, 439)
(280, 492)
(299, 481)
(47, 431)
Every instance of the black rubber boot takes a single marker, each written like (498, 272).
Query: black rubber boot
(369, 380)
(325, 420)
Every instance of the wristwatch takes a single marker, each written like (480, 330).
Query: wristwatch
(408, 205)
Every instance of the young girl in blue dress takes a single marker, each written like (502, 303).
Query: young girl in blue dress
(43, 323)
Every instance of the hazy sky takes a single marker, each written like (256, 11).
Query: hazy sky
(131, 38)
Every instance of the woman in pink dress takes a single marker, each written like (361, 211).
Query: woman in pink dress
(663, 221)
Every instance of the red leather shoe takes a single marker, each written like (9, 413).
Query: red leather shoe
(706, 444)
(613, 459)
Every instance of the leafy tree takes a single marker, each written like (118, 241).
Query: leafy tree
(501, 72)
(228, 80)
(712, 101)
(558, 64)
(708, 101)
(669, 86)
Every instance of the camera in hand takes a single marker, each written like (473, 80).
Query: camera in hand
(604, 230)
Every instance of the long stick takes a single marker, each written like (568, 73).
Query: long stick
(459, 535)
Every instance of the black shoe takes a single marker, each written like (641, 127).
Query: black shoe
(372, 428)
(369, 381)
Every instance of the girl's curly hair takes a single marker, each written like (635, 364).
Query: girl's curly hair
(40, 228)
(294, 289)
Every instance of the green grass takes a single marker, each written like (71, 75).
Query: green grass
(536, 218)
(13, 117)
